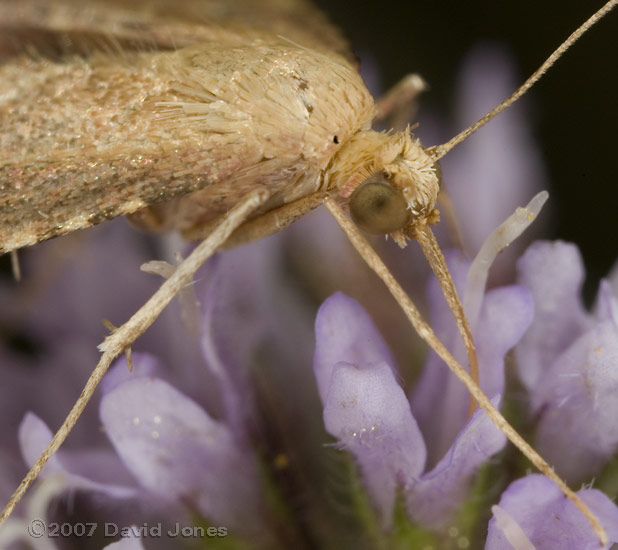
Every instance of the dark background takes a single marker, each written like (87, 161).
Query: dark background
(574, 110)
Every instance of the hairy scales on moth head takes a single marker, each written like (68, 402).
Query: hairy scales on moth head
(266, 167)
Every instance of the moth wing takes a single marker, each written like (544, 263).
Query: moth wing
(78, 26)
(88, 139)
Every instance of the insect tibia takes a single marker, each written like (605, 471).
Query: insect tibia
(269, 222)
(400, 161)
(399, 105)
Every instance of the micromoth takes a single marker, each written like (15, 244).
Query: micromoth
(138, 109)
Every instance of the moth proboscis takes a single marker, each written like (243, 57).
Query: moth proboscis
(205, 118)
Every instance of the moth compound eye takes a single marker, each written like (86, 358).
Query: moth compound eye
(378, 208)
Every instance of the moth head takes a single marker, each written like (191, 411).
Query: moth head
(398, 195)
(389, 182)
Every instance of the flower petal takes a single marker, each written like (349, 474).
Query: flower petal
(127, 543)
(433, 500)
(93, 470)
(252, 321)
(34, 436)
(548, 519)
(345, 332)
(368, 412)
(577, 397)
(500, 166)
(607, 304)
(439, 400)
(145, 365)
(553, 272)
(178, 452)
(511, 530)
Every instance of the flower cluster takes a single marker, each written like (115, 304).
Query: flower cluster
(225, 429)
(568, 362)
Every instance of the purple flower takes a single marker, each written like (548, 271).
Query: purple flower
(439, 400)
(568, 361)
(241, 318)
(554, 273)
(366, 410)
(470, 168)
(533, 514)
(180, 454)
(126, 543)
(79, 470)
(168, 435)
(223, 427)
(345, 332)
(92, 471)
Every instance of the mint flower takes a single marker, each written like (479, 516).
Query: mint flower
(224, 423)
(533, 514)
(366, 409)
(568, 361)
(180, 454)
(439, 400)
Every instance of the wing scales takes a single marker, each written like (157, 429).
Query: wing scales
(84, 140)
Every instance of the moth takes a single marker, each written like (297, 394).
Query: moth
(216, 121)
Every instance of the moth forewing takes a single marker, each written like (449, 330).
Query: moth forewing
(214, 117)
(231, 110)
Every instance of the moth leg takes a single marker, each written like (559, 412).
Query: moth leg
(15, 267)
(399, 105)
(124, 336)
(266, 224)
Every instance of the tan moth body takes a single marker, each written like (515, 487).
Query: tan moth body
(239, 117)
(84, 141)
(188, 114)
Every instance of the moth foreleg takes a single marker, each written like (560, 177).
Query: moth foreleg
(398, 106)
(266, 224)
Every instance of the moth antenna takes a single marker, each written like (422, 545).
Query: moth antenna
(124, 336)
(438, 151)
(435, 258)
(426, 333)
